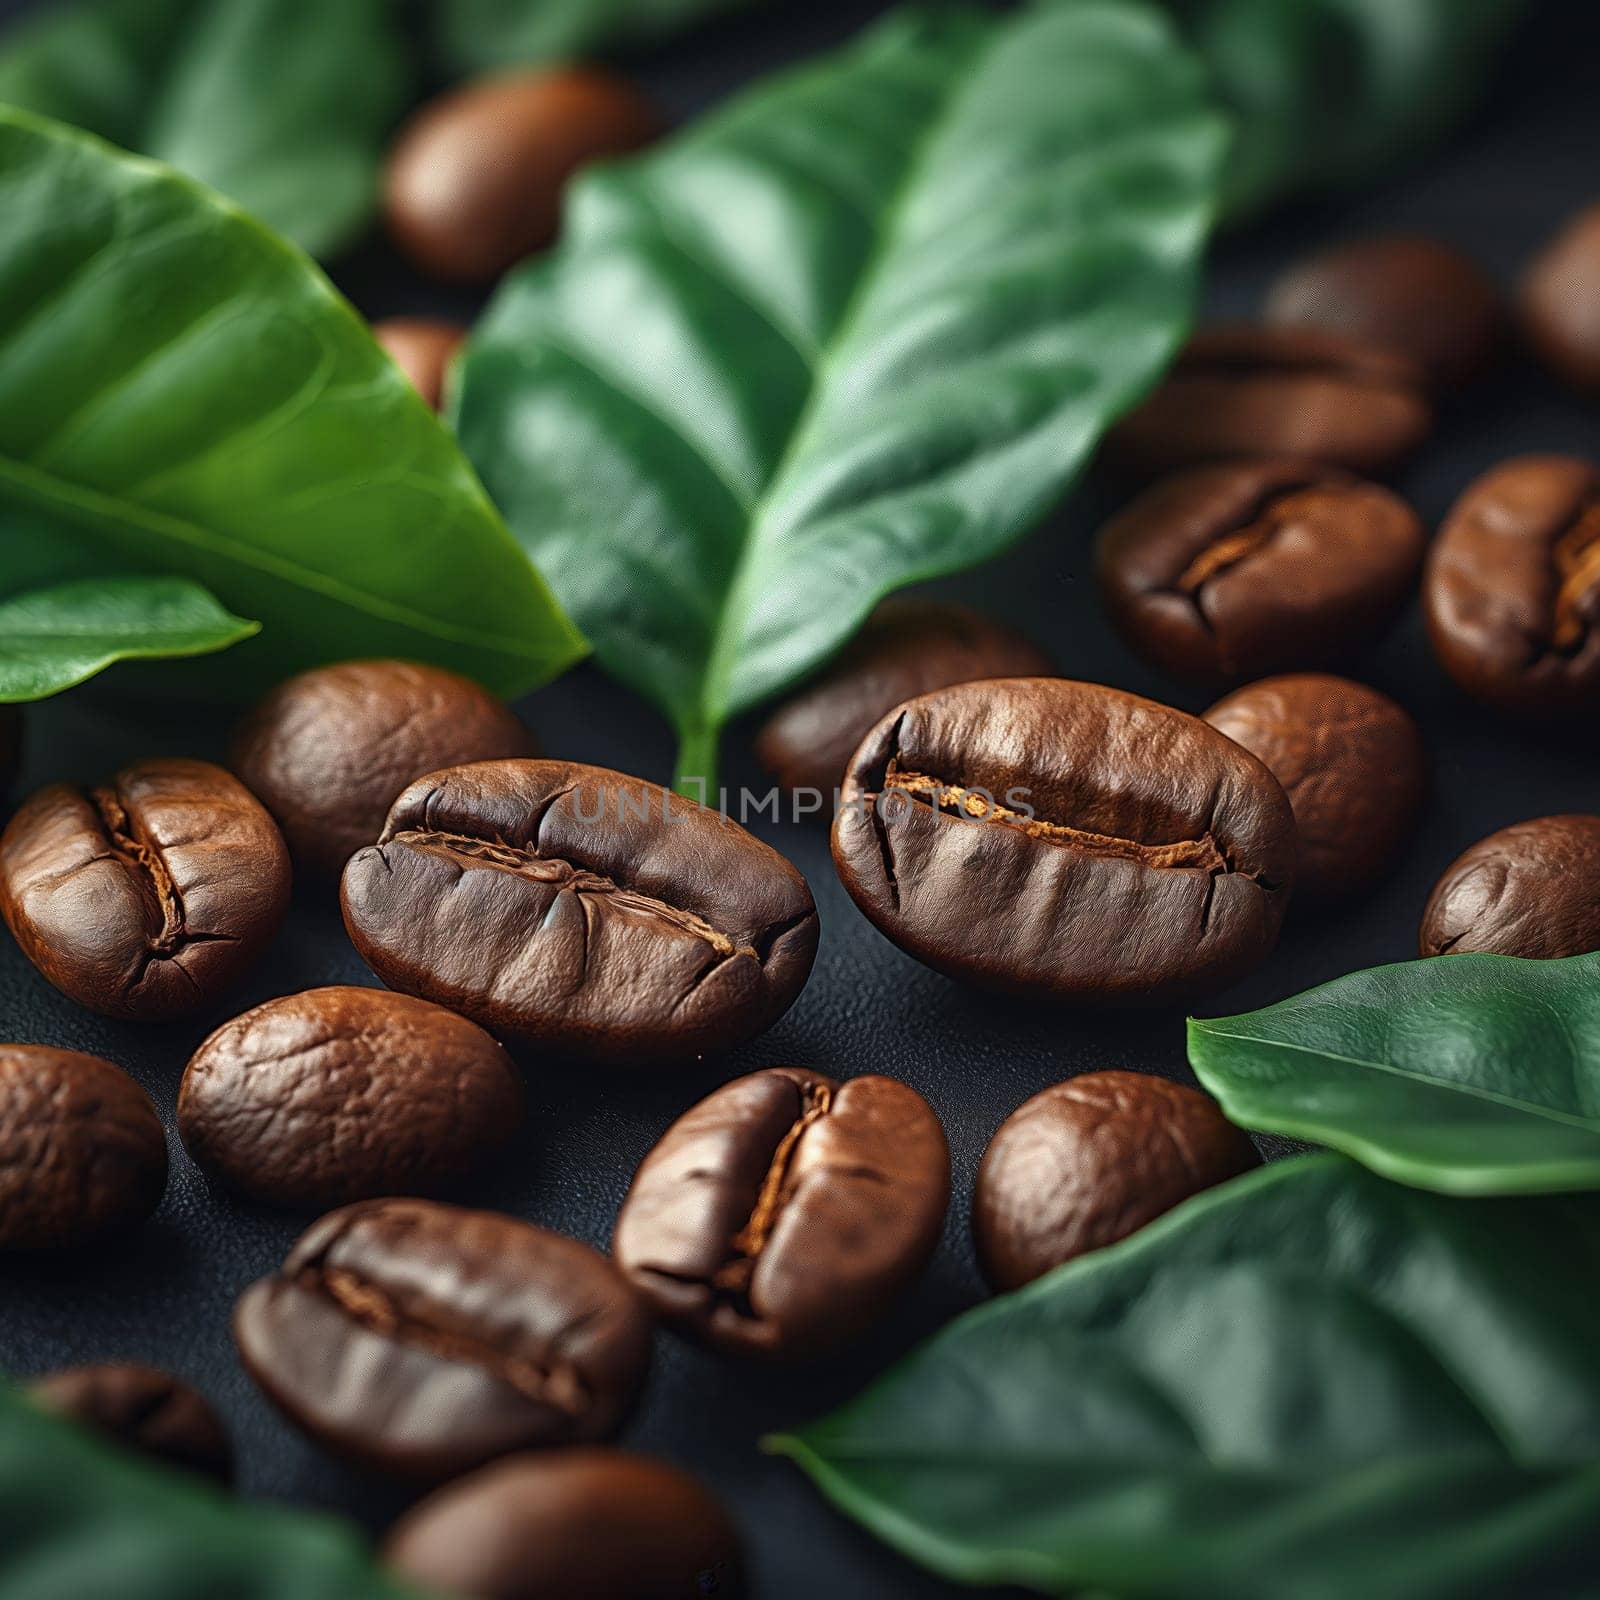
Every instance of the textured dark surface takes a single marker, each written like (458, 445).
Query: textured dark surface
(1499, 191)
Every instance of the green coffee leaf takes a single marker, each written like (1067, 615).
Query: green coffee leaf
(1330, 92)
(282, 105)
(51, 639)
(80, 1521)
(862, 327)
(182, 393)
(1309, 1381)
(1469, 1074)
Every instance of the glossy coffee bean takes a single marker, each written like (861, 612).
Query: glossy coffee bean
(144, 1410)
(82, 1154)
(343, 1094)
(1234, 571)
(1352, 764)
(329, 750)
(423, 1340)
(785, 1213)
(422, 348)
(145, 897)
(600, 1524)
(1061, 839)
(476, 178)
(1512, 588)
(1240, 392)
(581, 909)
(1529, 890)
(1401, 292)
(10, 745)
(1560, 303)
(905, 648)
(1090, 1161)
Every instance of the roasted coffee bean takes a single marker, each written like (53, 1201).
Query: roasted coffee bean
(1233, 571)
(328, 751)
(785, 1213)
(1087, 1162)
(595, 1524)
(1512, 588)
(147, 896)
(1352, 764)
(343, 1094)
(10, 745)
(422, 348)
(1400, 292)
(1560, 302)
(82, 1154)
(476, 178)
(581, 909)
(1062, 839)
(1242, 392)
(906, 648)
(422, 1340)
(144, 1410)
(1529, 890)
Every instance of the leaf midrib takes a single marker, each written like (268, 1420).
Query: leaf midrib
(1449, 1086)
(83, 505)
(722, 659)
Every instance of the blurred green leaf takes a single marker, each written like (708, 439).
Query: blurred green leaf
(282, 105)
(1329, 92)
(81, 1521)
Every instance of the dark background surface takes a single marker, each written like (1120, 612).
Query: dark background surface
(1501, 187)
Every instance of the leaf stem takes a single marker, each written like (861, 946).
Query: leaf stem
(696, 772)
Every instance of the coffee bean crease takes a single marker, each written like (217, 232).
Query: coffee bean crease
(1201, 854)
(747, 1244)
(1577, 560)
(525, 862)
(149, 870)
(555, 1384)
(785, 1212)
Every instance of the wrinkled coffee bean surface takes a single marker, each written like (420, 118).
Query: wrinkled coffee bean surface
(328, 751)
(341, 1094)
(1512, 588)
(1046, 837)
(582, 909)
(82, 1152)
(147, 896)
(422, 1340)
(1087, 1162)
(1352, 764)
(786, 1212)
(1235, 571)
(1532, 889)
